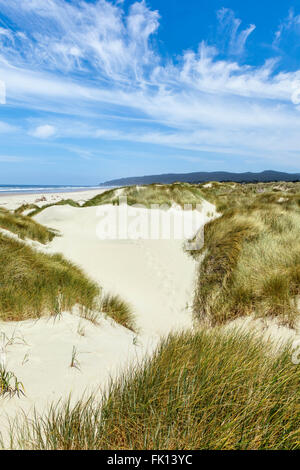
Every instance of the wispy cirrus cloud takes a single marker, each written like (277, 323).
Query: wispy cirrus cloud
(290, 24)
(83, 37)
(94, 70)
(230, 27)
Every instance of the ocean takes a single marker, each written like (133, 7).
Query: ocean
(41, 188)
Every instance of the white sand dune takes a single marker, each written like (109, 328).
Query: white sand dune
(155, 276)
(40, 354)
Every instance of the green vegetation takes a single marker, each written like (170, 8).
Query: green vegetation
(9, 384)
(35, 284)
(25, 207)
(36, 209)
(177, 193)
(228, 196)
(207, 390)
(251, 261)
(120, 311)
(25, 227)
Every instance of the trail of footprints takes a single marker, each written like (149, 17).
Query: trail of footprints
(165, 276)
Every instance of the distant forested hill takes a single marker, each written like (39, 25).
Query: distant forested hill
(201, 177)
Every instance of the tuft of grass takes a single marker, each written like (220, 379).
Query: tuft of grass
(25, 207)
(9, 384)
(118, 310)
(25, 227)
(74, 359)
(35, 284)
(204, 390)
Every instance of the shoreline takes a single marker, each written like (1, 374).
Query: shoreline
(41, 191)
(12, 201)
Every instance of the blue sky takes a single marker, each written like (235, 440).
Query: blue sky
(102, 89)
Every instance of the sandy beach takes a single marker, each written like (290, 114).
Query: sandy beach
(13, 201)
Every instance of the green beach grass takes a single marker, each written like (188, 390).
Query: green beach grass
(35, 284)
(25, 227)
(204, 390)
(250, 261)
(34, 209)
(162, 194)
(118, 310)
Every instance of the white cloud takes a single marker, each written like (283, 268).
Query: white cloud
(230, 25)
(44, 132)
(63, 36)
(291, 23)
(88, 59)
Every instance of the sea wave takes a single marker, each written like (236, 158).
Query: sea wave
(25, 188)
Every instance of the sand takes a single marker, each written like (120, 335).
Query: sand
(155, 276)
(13, 201)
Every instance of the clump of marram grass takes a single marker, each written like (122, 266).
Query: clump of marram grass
(63, 202)
(204, 390)
(25, 227)
(9, 384)
(251, 264)
(25, 207)
(118, 310)
(35, 284)
(34, 209)
(161, 194)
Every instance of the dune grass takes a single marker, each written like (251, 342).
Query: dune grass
(251, 261)
(118, 310)
(162, 194)
(228, 196)
(9, 384)
(25, 207)
(36, 209)
(25, 227)
(204, 390)
(35, 284)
